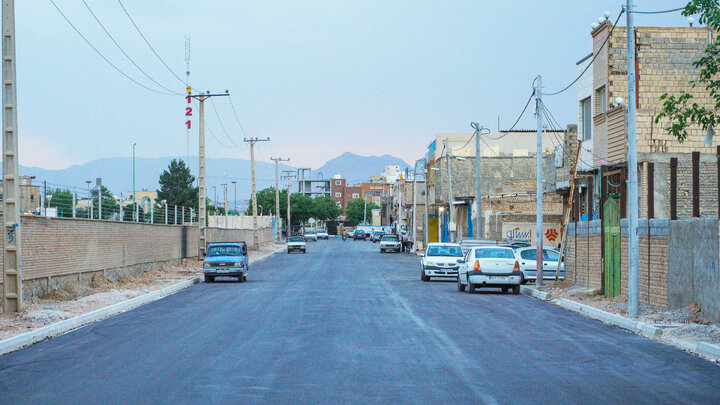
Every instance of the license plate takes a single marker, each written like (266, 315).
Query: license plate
(223, 271)
(498, 278)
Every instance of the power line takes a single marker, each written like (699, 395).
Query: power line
(123, 51)
(103, 56)
(236, 116)
(148, 43)
(221, 123)
(591, 61)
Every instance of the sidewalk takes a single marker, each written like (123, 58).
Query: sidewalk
(685, 329)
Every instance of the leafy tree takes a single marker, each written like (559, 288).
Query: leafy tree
(326, 209)
(354, 211)
(62, 200)
(176, 185)
(683, 111)
(109, 205)
(302, 208)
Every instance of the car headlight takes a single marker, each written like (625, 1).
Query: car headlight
(238, 264)
(207, 265)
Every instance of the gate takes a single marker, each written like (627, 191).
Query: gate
(611, 224)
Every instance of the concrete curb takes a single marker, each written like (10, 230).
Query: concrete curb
(709, 350)
(641, 328)
(59, 328)
(266, 256)
(532, 292)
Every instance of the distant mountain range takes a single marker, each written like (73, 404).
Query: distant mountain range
(356, 168)
(116, 173)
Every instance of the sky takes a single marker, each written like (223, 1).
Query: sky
(317, 77)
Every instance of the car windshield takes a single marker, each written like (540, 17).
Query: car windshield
(455, 251)
(551, 255)
(224, 251)
(296, 239)
(310, 233)
(391, 238)
(494, 253)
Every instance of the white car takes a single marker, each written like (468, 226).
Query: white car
(527, 258)
(390, 243)
(311, 236)
(296, 244)
(490, 267)
(440, 260)
(322, 234)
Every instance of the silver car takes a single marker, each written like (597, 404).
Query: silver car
(527, 258)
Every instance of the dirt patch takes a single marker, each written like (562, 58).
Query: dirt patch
(100, 281)
(67, 293)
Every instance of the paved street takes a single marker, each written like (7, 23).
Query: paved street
(345, 324)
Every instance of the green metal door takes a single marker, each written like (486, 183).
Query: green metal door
(611, 223)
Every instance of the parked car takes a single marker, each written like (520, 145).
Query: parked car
(440, 260)
(311, 235)
(359, 234)
(375, 237)
(322, 234)
(527, 257)
(296, 244)
(227, 259)
(390, 243)
(490, 267)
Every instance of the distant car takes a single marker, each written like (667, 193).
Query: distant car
(527, 257)
(296, 244)
(390, 243)
(375, 237)
(490, 267)
(310, 235)
(322, 234)
(440, 260)
(359, 235)
(227, 259)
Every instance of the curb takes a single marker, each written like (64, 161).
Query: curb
(266, 256)
(706, 349)
(531, 292)
(641, 328)
(59, 328)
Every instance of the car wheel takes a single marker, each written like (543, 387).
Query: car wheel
(522, 279)
(461, 286)
(504, 289)
(470, 286)
(209, 279)
(516, 290)
(424, 276)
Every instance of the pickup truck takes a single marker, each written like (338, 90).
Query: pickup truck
(226, 259)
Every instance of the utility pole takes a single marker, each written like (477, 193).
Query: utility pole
(252, 142)
(89, 209)
(539, 189)
(135, 211)
(633, 253)
(450, 196)
(426, 233)
(478, 192)
(288, 175)
(202, 192)
(277, 195)
(235, 198)
(225, 204)
(12, 269)
(215, 206)
(414, 209)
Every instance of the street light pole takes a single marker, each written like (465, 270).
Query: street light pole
(135, 213)
(478, 183)
(450, 196)
(89, 209)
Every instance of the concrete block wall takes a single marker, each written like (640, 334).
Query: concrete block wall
(583, 265)
(235, 235)
(652, 261)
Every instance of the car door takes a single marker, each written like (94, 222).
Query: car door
(550, 263)
(465, 265)
(528, 262)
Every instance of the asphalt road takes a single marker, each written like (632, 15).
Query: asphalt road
(346, 324)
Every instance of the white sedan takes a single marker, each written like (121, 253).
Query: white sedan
(440, 260)
(490, 266)
(527, 258)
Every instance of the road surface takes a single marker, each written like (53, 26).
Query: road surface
(346, 324)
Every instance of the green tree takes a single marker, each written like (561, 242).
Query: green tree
(176, 185)
(302, 208)
(266, 201)
(110, 207)
(682, 111)
(326, 209)
(62, 200)
(354, 211)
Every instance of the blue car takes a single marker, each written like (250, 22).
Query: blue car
(226, 259)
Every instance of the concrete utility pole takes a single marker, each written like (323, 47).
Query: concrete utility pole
(478, 192)
(89, 199)
(135, 211)
(450, 196)
(252, 142)
(225, 204)
(202, 192)
(12, 269)
(277, 194)
(215, 206)
(426, 233)
(633, 253)
(98, 183)
(235, 198)
(414, 209)
(539, 189)
(288, 175)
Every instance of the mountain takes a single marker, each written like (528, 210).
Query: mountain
(116, 174)
(356, 168)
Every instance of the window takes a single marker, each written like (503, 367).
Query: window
(550, 255)
(356, 195)
(530, 254)
(494, 253)
(338, 195)
(338, 182)
(600, 100)
(586, 120)
(454, 251)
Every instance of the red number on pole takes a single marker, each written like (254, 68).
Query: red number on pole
(188, 111)
(188, 124)
(188, 99)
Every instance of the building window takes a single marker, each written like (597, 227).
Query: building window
(356, 195)
(600, 100)
(338, 182)
(586, 120)
(339, 203)
(338, 195)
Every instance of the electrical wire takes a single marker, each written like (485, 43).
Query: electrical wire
(148, 44)
(591, 61)
(212, 103)
(123, 51)
(103, 56)
(236, 116)
(659, 11)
